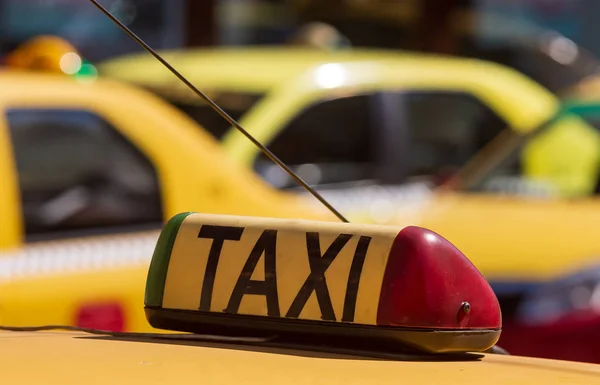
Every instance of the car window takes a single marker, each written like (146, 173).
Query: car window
(352, 138)
(446, 129)
(76, 172)
(330, 141)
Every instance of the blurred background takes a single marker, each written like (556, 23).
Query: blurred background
(499, 30)
(478, 119)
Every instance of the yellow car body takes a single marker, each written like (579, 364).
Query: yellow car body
(51, 358)
(49, 272)
(511, 239)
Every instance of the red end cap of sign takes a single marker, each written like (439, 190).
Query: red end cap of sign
(429, 283)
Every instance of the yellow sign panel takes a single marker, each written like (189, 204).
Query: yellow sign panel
(282, 268)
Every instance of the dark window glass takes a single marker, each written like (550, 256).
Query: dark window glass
(76, 172)
(331, 139)
(234, 104)
(384, 137)
(446, 129)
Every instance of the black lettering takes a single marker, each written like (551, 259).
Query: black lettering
(316, 280)
(267, 245)
(354, 278)
(219, 234)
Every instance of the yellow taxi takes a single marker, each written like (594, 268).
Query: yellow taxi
(260, 300)
(90, 169)
(377, 132)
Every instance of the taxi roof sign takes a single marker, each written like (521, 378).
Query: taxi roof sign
(43, 53)
(223, 274)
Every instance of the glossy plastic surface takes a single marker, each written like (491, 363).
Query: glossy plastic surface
(429, 283)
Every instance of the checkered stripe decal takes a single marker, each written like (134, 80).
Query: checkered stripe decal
(74, 255)
(354, 198)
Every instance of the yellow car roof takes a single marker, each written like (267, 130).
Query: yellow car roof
(247, 64)
(74, 358)
(259, 69)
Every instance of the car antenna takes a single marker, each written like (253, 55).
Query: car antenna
(223, 114)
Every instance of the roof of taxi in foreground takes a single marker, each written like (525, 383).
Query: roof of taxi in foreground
(68, 358)
(260, 68)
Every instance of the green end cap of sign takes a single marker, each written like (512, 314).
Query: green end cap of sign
(157, 273)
